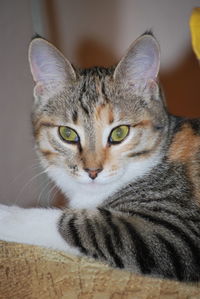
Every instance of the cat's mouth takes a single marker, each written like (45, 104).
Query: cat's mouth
(93, 183)
(102, 179)
(99, 181)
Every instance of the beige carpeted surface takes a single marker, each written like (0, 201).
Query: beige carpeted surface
(34, 272)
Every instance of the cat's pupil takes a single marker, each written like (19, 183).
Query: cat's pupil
(119, 132)
(68, 132)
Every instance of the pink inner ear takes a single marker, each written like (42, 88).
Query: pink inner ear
(47, 63)
(142, 61)
(35, 72)
(153, 63)
(50, 70)
(39, 90)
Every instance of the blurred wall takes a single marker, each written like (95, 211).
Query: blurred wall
(88, 32)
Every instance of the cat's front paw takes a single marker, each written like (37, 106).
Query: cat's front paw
(35, 226)
(9, 219)
(6, 211)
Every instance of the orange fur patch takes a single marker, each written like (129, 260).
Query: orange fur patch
(104, 114)
(183, 149)
(90, 159)
(184, 146)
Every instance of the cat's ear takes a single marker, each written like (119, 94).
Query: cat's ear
(51, 71)
(141, 62)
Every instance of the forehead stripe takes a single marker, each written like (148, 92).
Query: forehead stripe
(75, 116)
(103, 90)
(83, 105)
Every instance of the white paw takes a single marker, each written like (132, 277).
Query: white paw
(5, 211)
(32, 226)
(10, 222)
(9, 216)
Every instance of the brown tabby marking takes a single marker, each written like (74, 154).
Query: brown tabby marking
(48, 154)
(144, 123)
(193, 173)
(39, 125)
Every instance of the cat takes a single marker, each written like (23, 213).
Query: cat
(129, 169)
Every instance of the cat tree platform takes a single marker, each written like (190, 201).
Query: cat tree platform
(33, 272)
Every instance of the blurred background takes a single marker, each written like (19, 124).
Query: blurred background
(89, 33)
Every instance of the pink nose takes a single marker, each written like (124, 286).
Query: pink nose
(92, 172)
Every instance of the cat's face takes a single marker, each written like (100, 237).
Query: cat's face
(99, 126)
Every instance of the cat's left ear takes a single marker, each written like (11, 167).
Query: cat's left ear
(141, 63)
(50, 69)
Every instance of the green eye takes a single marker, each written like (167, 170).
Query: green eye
(119, 134)
(68, 134)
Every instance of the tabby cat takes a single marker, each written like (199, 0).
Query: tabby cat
(129, 169)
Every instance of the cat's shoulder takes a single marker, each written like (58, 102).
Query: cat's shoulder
(185, 141)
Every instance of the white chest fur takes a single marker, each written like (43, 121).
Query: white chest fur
(91, 195)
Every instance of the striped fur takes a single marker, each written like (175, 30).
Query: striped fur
(142, 211)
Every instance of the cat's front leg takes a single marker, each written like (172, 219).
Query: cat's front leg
(37, 226)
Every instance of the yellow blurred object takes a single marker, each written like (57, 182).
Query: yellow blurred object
(195, 30)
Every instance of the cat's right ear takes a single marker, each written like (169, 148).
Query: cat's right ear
(51, 71)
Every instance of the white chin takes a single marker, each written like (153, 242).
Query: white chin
(99, 181)
(82, 191)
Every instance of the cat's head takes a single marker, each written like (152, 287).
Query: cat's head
(98, 126)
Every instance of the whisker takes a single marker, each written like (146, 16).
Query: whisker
(51, 190)
(43, 190)
(20, 176)
(29, 182)
(54, 195)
